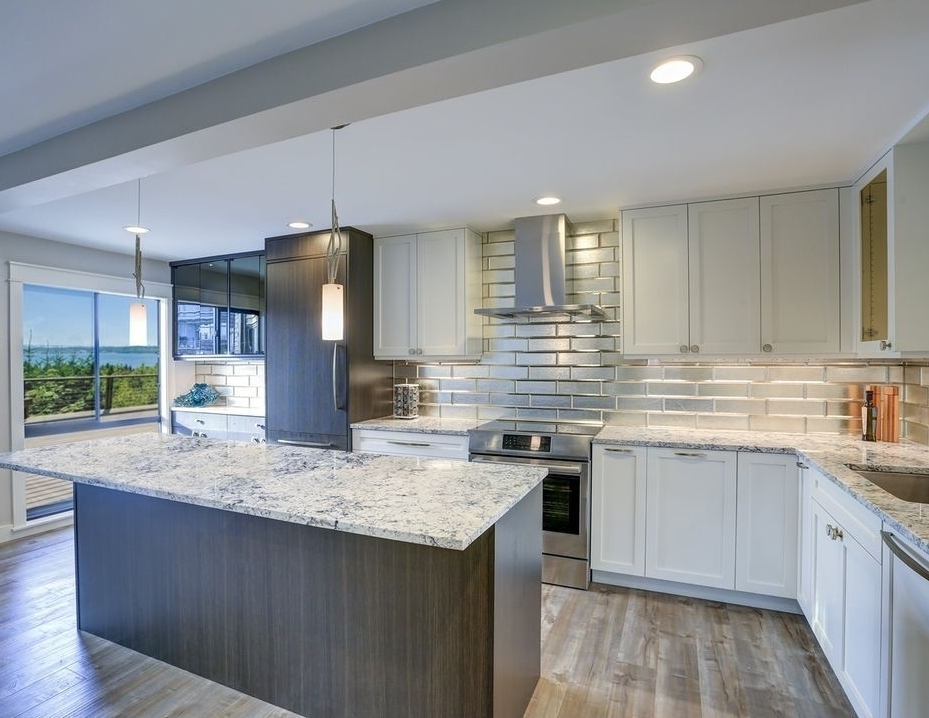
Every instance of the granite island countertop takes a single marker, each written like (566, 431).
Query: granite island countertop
(827, 452)
(434, 502)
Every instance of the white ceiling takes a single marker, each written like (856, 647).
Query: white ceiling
(803, 102)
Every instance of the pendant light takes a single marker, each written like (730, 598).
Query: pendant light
(333, 304)
(138, 314)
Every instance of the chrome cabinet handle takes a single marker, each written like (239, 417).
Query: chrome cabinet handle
(694, 348)
(310, 444)
(801, 465)
(419, 351)
(620, 451)
(684, 348)
(834, 532)
(885, 345)
(259, 426)
(200, 421)
(408, 443)
(901, 553)
(767, 348)
(691, 454)
(412, 352)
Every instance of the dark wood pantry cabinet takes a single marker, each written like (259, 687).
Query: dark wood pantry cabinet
(314, 388)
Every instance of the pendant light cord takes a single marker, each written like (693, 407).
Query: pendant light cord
(335, 237)
(139, 287)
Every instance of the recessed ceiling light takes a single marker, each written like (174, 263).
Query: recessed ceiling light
(299, 224)
(135, 229)
(548, 200)
(675, 69)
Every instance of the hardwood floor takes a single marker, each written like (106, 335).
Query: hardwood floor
(606, 653)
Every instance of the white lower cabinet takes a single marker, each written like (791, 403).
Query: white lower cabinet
(805, 549)
(766, 524)
(846, 592)
(618, 509)
(720, 519)
(410, 443)
(690, 516)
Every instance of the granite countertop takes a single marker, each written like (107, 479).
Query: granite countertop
(433, 502)
(222, 409)
(827, 452)
(420, 425)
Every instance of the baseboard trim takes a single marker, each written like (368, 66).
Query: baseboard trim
(10, 532)
(741, 598)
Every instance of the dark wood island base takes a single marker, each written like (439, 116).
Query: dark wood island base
(324, 623)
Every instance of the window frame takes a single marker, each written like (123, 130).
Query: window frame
(22, 273)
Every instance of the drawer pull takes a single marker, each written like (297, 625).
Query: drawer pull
(801, 465)
(620, 451)
(408, 443)
(834, 532)
(690, 454)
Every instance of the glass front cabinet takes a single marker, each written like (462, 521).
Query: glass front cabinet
(219, 306)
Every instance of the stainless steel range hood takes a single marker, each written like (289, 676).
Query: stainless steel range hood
(540, 273)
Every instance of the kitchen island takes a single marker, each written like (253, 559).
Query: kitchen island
(328, 583)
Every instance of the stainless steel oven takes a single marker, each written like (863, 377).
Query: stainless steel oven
(565, 494)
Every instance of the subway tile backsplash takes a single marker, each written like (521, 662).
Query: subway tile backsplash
(241, 383)
(575, 373)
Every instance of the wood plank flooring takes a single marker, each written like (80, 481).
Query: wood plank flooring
(606, 653)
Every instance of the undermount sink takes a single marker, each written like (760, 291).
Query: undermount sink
(903, 485)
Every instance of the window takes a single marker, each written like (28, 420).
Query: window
(79, 371)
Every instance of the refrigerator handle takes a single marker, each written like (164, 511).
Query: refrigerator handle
(338, 377)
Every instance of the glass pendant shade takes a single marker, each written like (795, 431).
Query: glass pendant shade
(333, 312)
(138, 325)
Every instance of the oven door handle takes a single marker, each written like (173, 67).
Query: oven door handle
(561, 468)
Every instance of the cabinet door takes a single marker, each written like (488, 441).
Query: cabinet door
(617, 541)
(860, 671)
(805, 553)
(395, 294)
(800, 272)
(766, 521)
(725, 312)
(691, 517)
(655, 282)
(301, 390)
(441, 322)
(828, 617)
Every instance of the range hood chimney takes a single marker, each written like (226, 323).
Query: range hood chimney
(540, 273)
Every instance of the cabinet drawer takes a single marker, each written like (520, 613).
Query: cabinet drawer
(854, 518)
(402, 443)
(187, 422)
(242, 424)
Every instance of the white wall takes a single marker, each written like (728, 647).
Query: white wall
(32, 250)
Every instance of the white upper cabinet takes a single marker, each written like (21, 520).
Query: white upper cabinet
(690, 278)
(426, 287)
(757, 275)
(656, 294)
(893, 227)
(800, 311)
(723, 260)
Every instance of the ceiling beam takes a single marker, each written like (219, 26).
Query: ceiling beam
(442, 50)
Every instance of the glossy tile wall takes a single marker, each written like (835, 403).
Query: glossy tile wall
(242, 383)
(575, 373)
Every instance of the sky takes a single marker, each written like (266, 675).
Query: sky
(64, 317)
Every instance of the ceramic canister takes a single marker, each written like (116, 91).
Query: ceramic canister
(406, 401)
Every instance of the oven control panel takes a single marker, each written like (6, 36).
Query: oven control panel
(527, 442)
